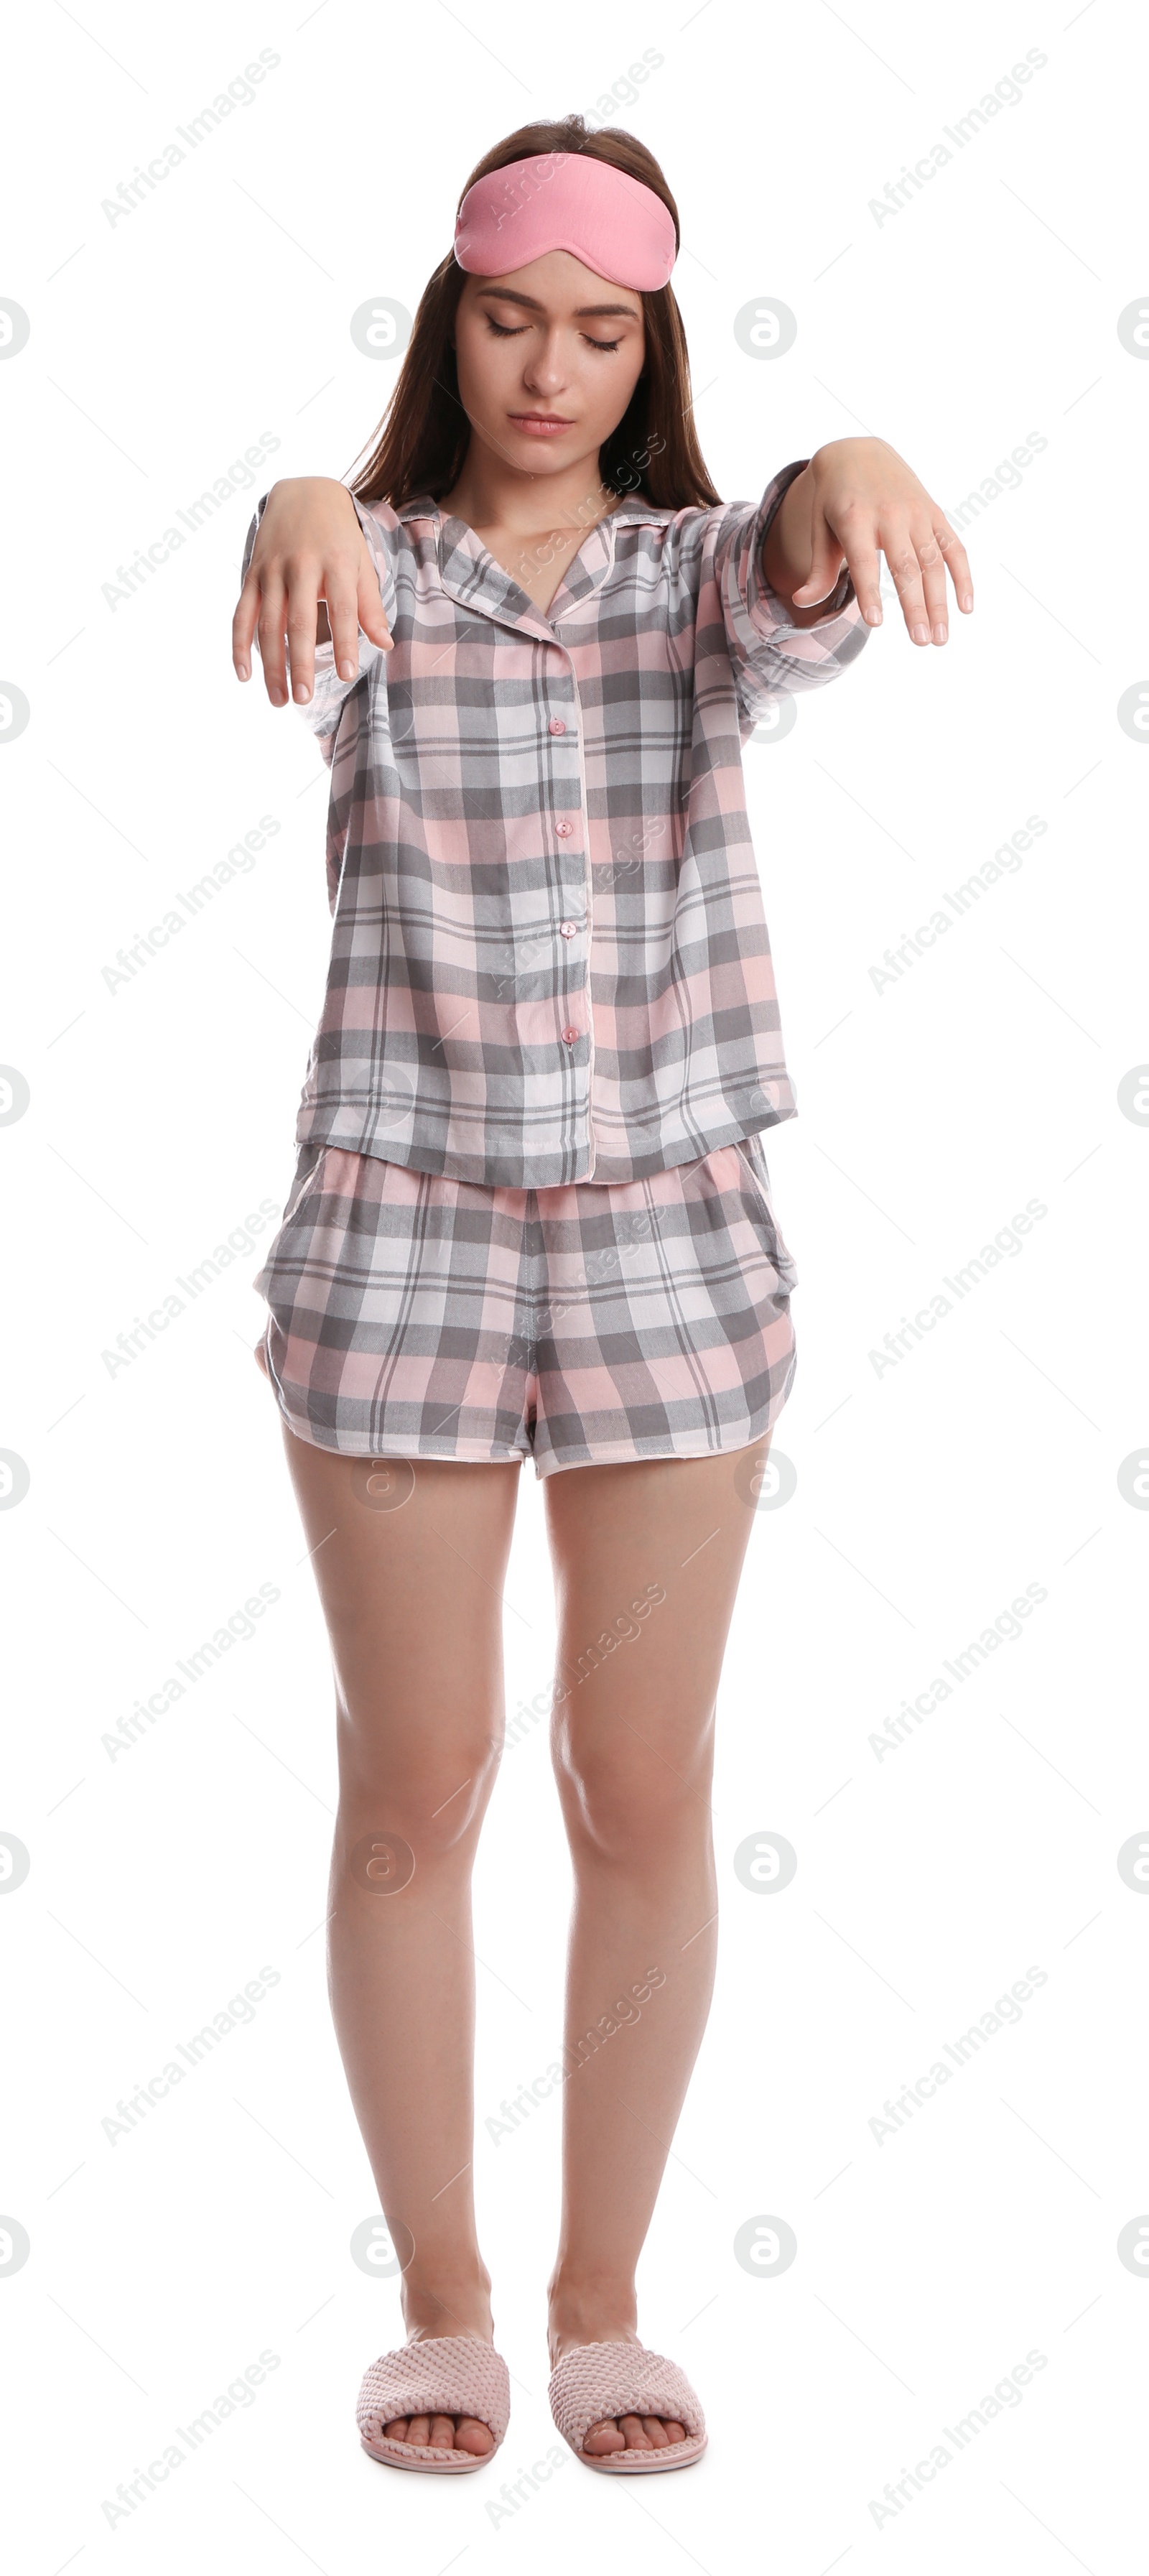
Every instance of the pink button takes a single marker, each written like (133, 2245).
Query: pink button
(570, 1035)
(564, 829)
(566, 930)
(556, 725)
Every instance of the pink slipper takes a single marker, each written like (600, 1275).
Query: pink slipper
(447, 2375)
(595, 2380)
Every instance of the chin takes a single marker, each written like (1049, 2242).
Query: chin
(558, 453)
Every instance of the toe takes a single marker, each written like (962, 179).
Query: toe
(602, 2438)
(472, 2435)
(655, 2431)
(397, 2432)
(674, 2431)
(631, 2428)
(442, 2433)
(419, 2430)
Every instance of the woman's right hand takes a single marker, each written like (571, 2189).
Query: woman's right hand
(309, 548)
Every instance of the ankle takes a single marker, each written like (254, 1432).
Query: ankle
(448, 2302)
(590, 2308)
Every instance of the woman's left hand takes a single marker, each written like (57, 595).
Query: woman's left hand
(857, 497)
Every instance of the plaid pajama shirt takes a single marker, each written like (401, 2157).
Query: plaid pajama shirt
(550, 1008)
(549, 957)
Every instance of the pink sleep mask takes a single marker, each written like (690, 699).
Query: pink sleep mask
(566, 201)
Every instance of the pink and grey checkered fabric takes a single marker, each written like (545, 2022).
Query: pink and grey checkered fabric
(410, 1315)
(550, 961)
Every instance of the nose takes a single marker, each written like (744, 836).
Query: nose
(544, 369)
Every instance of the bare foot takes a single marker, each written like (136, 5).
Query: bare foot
(446, 2432)
(632, 2432)
(614, 2433)
(442, 2433)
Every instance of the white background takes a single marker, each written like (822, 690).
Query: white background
(927, 1497)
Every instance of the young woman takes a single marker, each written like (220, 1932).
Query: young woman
(531, 1214)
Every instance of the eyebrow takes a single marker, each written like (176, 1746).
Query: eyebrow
(511, 295)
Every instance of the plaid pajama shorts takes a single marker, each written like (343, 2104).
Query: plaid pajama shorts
(414, 1316)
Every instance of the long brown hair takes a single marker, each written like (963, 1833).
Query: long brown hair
(424, 433)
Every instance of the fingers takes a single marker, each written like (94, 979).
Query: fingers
(956, 561)
(278, 602)
(933, 587)
(906, 575)
(918, 552)
(270, 631)
(824, 570)
(854, 536)
(353, 602)
(243, 627)
(342, 596)
(918, 572)
(370, 610)
(302, 617)
(288, 608)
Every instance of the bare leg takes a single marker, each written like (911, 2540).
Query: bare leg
(633, 1748)
(410, 1568)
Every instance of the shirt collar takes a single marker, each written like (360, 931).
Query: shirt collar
(470, 574)
(632, 505)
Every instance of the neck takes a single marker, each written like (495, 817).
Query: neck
(492, 494)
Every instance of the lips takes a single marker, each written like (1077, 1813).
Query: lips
(538, 424)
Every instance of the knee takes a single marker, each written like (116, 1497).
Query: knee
(633, 1803)
(431, 1793)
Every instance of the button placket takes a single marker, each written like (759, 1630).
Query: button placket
(564, 828)
(567, 929)
(588, 903)
(488, 596)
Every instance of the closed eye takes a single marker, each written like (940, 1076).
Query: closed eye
(503, 332)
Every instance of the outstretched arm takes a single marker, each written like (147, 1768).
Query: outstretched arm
(856, 496)
(310, 564)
